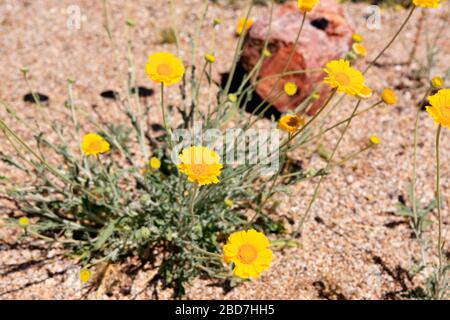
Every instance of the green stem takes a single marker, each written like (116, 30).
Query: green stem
(392, 40)
(438, 195)
(316, 191)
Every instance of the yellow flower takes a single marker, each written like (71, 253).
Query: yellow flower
(437, 82)
(290, 123)
(166, 68)
(85, 275)
(356, 37)
(217, 21)
(365, 93)
(359, 49)
(155, 163)
(242, 25)
(267, 53)
(209, 57)
(375, 140)
(200, 164)
(93, 144)
(389, 96)
(427, 3)
(228, 202)
(249, 252)
(232, 97)
(24, 221)
(307, 5)
(440, 107)
(290, 88)
(343, 77)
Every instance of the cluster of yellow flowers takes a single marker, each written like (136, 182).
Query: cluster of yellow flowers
(249, 250)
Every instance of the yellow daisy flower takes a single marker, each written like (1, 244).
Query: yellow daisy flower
(440, 107)
(426, 3)
(200, 164)
(437, 82)
(242, 25)
(359, 49)
(343, 77)
(24, 221)
(166, 68)
(306, 5)
(249, 252)
(94, 144)
(290, 123)
(389, 96)
(365, 93)
(85, 275)
(356, 37)
(209, 57)
(290, 88)
(375, 140)
(155, 163)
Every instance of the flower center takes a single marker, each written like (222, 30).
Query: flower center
(199, 169)
(446, 111)
(247, 253)
(293, 122)
(342, 78)
(164, 69)
(95, 145)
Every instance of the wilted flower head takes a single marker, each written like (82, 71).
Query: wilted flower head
(389, 96)
(290, 123)
(244, 25)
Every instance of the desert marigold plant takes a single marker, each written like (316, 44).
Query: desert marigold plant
(249, 251)
(201, 165)
(343, 77)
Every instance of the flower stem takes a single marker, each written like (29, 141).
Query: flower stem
(316, 191)
(438, 195)
(372, 63)
(166, 126)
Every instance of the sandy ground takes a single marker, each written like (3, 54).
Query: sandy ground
(353, 246)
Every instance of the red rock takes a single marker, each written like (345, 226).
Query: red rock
(326, 35)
